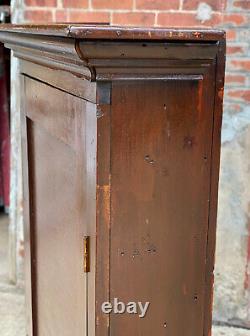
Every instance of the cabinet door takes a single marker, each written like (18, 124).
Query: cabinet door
(161, 133)
(57, 208)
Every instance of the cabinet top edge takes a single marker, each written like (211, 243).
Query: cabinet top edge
(107, 32)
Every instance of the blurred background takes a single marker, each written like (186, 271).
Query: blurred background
(232, 273)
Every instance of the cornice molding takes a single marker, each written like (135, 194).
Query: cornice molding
(52, 51)
(106, 60)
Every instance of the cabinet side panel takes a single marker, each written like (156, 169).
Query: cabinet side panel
(160, 183)
(215, 165)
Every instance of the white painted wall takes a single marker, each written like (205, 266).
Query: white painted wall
(232, 298)
(16, 203)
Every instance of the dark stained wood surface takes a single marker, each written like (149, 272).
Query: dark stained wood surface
(215, 169)
(60, 206)
(160, 184)
(121, 142)
(64, 80)
(105, 52)
(103, 203)
(105, 31)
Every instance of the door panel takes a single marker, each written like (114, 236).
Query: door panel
(57, 235)
(58, 197)
(160, 177)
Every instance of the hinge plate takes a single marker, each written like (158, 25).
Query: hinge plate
(86, 254)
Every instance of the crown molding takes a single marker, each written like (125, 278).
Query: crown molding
(106, 60)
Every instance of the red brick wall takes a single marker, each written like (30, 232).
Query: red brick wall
(232, 15)
(130, 12)
(236, 21)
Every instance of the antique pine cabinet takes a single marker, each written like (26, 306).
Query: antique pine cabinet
(120, 145)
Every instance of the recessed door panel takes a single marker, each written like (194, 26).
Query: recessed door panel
(58, 199)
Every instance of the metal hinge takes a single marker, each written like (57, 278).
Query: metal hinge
(86, 254)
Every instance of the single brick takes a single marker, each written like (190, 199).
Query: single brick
(38, 15)
(87, 16)
(61, 16)
(217, 5)
(235, 49)
(235, 79)
(185, 20)
(112, 4)
(234, 19)
(140, 19)
(75, 3)
(240, 64)
(240, 94)
(232, 108)
(41, 3)
(243, 4)
(158, 4)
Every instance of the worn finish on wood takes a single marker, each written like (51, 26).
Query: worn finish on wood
(63, 80)
(121, 142)
(159, 208)
(54, 161)
(104, 31)
(103, 206)
(215, 168)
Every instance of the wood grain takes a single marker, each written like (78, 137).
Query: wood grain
(121, 142)
(160, 178)
(57, 221)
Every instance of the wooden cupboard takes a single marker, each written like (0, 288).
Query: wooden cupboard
(121, 145)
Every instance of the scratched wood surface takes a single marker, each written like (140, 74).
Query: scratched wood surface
(105, 31)
(121, 142)
(58, 202)
(160, 168)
